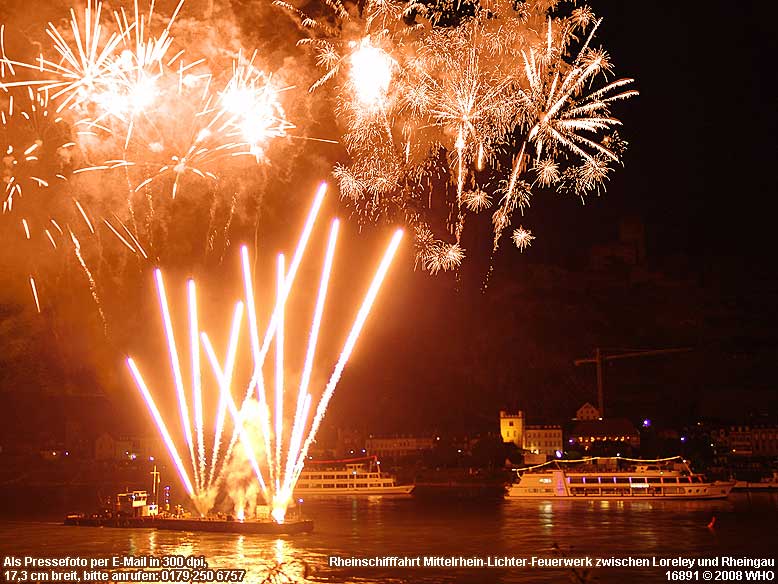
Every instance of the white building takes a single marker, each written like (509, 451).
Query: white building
(542, 440)
(545, 439)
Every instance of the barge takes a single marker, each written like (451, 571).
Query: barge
(131, 510)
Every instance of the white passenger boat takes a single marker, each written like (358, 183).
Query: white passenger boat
(347, 477)
(615, 478)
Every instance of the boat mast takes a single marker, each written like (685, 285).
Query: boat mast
(155, 478)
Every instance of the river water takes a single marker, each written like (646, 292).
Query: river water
(746, 525)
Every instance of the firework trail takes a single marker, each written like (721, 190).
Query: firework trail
(224, 378)
(90, 278)
(162, 427)
(35, 293)
(351, 341)
(283, 447)
(175, 363)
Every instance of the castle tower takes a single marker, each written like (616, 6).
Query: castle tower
(512, 427)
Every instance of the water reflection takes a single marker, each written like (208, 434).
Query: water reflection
(241, 539)
(384, 527)
(280, 557)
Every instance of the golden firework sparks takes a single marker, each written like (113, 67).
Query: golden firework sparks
(285, 445)
(522, 238)
(510, 96)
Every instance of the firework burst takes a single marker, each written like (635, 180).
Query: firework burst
(33, 144)
(522, 238)
(115, 113)
(505, 94)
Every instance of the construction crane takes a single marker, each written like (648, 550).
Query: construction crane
(599, 357)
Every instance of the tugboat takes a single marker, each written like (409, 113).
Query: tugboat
(129, 509)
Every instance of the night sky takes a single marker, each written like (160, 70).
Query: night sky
(448, 352)
(703, 132)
